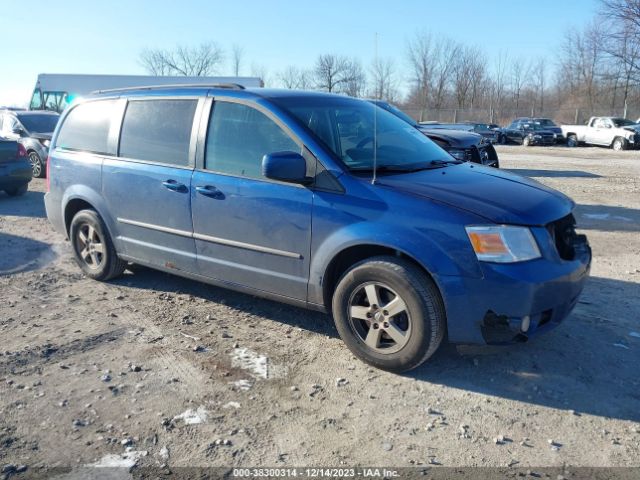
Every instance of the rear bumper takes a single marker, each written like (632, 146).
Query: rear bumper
(54, 213)
(14, 174)
(537, 295)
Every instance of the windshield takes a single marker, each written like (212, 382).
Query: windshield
(622, 122)
(39, 123)
(396, 111)
(532, 126)
(346, 127)
(545, 122)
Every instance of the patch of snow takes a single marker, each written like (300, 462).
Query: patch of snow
(235, 405)
(258, 365)
(126, 460)
(634, 334)
(193, 417)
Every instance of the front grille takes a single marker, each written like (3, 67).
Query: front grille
(563, 233)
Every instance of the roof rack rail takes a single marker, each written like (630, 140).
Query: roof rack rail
(230, 86)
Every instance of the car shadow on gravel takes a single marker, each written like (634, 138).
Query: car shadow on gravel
(588, 364)
(31, 204)
(607, 218)
(22, 254)
(149, 279)
(525, 172)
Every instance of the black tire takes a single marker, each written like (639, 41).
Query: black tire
(423, 320)
(100, 264)
(502, 139)
(572, 141)
(17, 191)
(619, 144)
(38, 169)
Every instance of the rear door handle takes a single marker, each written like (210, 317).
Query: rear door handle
(175, 186)
(209, 191)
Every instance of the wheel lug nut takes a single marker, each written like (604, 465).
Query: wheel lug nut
(385, 312)
(386, 324)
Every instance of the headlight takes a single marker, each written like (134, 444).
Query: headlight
(503, 243)
(458, 154)
(45, 143)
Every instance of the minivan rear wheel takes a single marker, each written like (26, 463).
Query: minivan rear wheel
(93, 248)
(389, 313)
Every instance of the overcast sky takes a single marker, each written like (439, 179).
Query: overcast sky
(79, 36)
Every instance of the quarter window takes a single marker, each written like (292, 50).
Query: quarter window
(86, 127)
(239, 136)
(158, 131)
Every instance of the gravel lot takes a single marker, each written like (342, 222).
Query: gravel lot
(153, 369)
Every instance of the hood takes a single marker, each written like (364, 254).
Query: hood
(41, 136)
(496, 195)
(455, 138)
(553, 129)
(632, 128)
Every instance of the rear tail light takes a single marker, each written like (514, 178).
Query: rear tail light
(47, 172)
(22, 152)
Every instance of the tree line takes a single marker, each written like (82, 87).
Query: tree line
(594, 70)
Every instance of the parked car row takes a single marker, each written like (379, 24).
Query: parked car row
(613, 132)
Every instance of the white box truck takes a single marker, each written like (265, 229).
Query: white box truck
(54, 91)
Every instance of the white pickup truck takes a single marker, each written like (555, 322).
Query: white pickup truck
(617, 133)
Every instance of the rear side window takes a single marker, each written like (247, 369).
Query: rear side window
(158, 131)
(86, 127)
(239, 136)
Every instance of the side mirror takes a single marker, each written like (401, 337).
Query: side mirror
(290, 167)
(19, 131)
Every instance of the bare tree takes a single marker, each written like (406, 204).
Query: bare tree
(383, 82)
(237, 55)
(331, 72)
(260, 71)
(468, 72)
(519, 77)
(295, 78)
(355, 80)
(420, 58)
(202, 60)
(446, 53)
(538, 76)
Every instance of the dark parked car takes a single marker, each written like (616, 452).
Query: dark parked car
(15, 169)
(489, 131)
(319, 200)
(462, 145)
(527, 134)
(546, 124)
(33, 130)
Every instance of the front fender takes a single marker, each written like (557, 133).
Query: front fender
(432, 250)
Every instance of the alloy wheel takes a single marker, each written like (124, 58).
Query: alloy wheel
(379, 317)
(90, 246)
(36, 165)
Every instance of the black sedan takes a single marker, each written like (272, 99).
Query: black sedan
(526, 134)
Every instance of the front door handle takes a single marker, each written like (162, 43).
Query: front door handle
(209, 191)
(175, 186)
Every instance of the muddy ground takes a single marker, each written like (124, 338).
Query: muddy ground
(154, 370)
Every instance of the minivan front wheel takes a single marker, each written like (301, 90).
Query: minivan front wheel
(389, 313)
(93, 248)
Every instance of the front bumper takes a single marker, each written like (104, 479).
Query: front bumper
(493, 309)
(15, 174)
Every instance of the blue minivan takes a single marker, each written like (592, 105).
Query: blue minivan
(318, 200)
